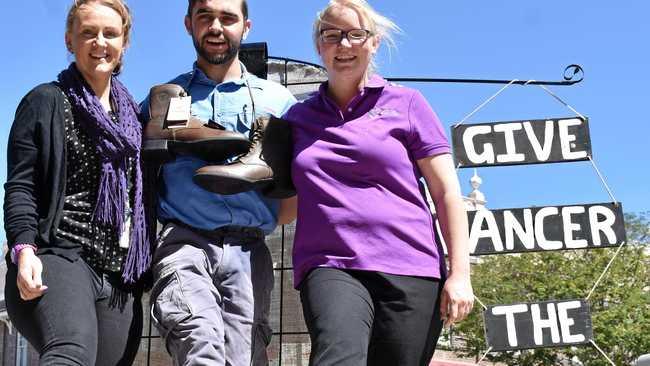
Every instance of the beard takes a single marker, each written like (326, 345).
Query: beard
(217, 58)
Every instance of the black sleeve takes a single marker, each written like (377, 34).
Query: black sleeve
(20, 202)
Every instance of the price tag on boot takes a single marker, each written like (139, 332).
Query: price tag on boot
(178, 114)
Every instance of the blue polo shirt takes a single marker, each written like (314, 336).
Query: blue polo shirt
(229, 104)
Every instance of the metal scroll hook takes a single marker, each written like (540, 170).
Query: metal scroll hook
(574, 71)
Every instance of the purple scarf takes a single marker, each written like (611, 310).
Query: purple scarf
(116, 143)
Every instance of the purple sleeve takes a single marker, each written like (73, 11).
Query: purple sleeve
(426, 136)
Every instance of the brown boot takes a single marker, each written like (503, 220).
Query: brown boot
(266, 166)
(206, 141)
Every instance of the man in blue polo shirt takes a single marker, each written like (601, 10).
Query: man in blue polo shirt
(212, 270)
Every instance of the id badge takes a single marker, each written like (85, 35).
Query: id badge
(125, 236)
(178, 114)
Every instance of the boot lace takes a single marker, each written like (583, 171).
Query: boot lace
(257, 133)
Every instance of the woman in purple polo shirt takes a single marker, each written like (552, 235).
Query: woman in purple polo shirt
(367, 264)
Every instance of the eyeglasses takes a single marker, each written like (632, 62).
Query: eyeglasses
(354, 36)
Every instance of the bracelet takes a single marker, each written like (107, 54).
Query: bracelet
(17, 248)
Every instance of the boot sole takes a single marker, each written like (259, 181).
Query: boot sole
(209, 150)
(228, 185)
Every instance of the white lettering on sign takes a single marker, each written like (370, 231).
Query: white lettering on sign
(487, 156)
(509, 135)
(541, 152)
(566, 322)
(566, 138)
(526, 233)
(556, 322)
(506, 135)
(539, 229)
(570, 227)
(604, 226)
(509, 311)
(492, 231)
(545, 229)
(539, 324)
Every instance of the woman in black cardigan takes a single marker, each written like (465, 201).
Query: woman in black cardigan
(74, 208)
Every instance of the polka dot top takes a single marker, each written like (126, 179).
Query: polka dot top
(100, 244)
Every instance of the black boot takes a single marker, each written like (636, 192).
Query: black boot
(266, 166)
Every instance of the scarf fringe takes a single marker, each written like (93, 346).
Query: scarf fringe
(110, 207)
(139, 256)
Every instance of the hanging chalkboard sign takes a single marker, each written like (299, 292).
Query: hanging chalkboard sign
(521, 142)
(537, 325)
(549, 228)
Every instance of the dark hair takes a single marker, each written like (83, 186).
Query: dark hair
(244, 8)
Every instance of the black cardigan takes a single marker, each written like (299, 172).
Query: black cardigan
(36, 174)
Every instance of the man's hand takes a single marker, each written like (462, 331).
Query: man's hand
(457, 299)
(29, 280)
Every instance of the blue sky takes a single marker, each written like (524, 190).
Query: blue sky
(468, 39)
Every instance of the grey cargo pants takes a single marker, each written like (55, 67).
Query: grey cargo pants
(212, 294)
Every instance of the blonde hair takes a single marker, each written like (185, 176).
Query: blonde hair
(118, 5)
(379, 25)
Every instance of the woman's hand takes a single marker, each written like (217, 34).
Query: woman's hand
(29, 281)
(457, 299)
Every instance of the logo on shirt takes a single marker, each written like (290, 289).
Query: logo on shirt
(382, 112)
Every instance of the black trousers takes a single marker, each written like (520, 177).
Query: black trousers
(359, 318)
(80, 319)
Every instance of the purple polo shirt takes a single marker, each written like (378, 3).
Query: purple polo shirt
(359, 203)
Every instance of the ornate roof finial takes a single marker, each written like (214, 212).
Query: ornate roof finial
(476, 199)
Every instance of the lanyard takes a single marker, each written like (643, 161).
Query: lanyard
(246, 81)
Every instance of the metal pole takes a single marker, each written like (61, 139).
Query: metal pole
(21, 350)
(573, 74)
